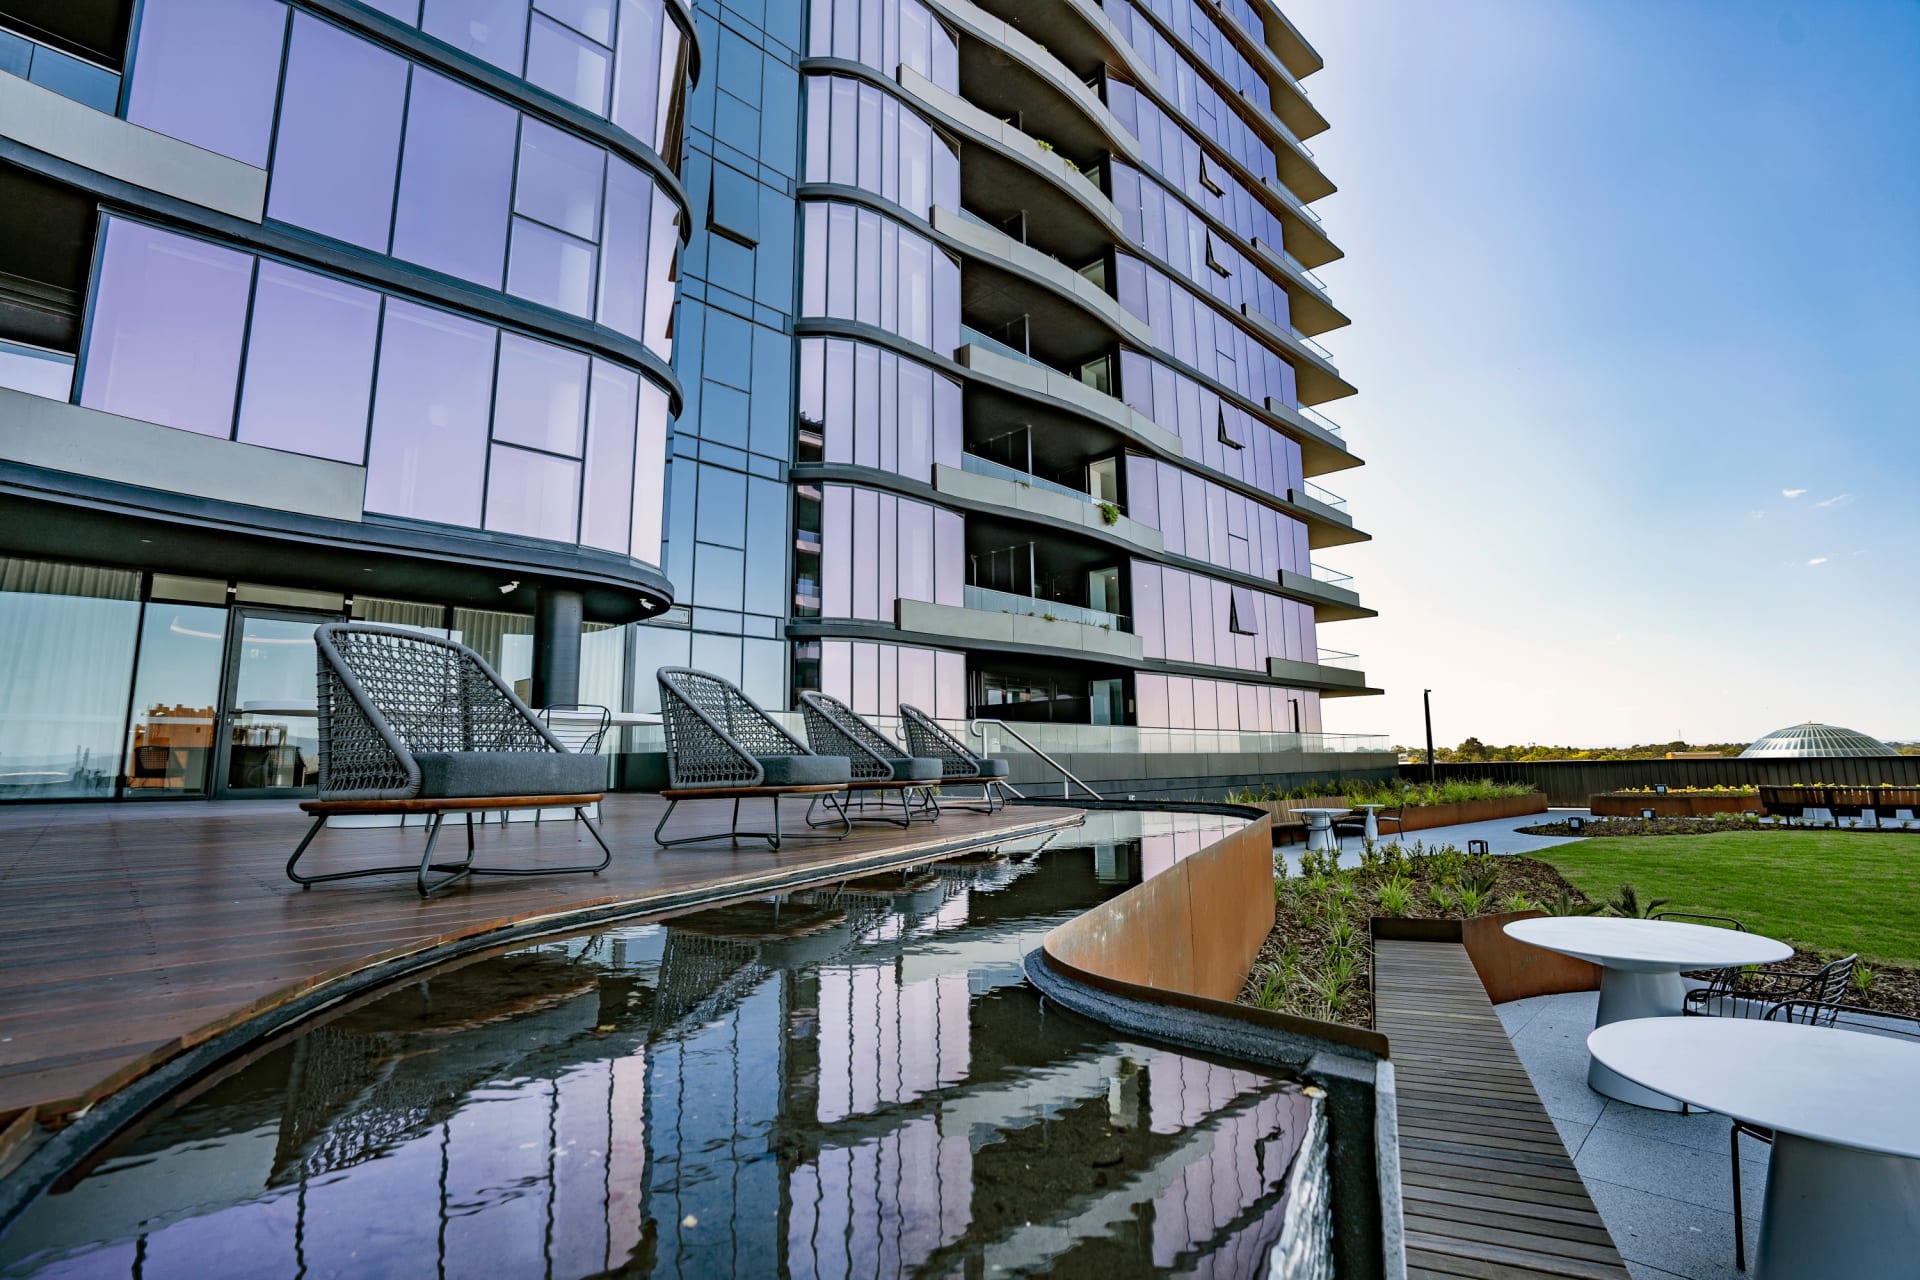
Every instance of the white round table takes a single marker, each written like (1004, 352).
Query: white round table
(1373, 819)
(1641, 962)
(1320, 827)
(1843, 1180)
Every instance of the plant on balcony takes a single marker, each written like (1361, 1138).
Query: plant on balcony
(1109, 513)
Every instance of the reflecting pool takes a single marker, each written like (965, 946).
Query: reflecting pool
(849, 1081)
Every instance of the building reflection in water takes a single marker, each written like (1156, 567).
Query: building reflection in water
(848, 1082)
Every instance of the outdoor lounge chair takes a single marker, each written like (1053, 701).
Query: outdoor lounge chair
(410, 723)
(1846, 1017)
(958, 766)
(879, 763)
(721, 746)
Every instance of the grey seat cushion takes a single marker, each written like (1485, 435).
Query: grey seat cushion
(467, 774)
(915, 768)
(992, 767)
(805, 771)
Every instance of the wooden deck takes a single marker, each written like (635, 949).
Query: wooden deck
(1488, 1186)
(135, 930)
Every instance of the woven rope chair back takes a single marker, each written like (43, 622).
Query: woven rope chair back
(385, 693)
(714, 731)
(835, 729)
(926, 738)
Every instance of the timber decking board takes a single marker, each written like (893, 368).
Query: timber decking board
(135, 929)
(1489, 1190)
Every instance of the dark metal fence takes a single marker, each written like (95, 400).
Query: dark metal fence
(1574, 782)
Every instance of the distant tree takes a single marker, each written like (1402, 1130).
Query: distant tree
(1471, 749)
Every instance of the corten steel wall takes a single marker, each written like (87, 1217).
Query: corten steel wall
(1195, 928)
(1574, 782)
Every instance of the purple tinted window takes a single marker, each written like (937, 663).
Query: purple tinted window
(649, 473)
(427, 456)
(623, 249)
(165, 329)
(207, 71)
(563, 62)
(333, 165)
(408, 11)
(533, 494)
(456, 181)
(608, 501)
(637, 71)
(493, 30)
(540, 398)
(661, 273)
(309, 364)
(559, 180)
(592, 18)
(552, 269)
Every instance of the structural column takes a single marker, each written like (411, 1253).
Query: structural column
(557, 616)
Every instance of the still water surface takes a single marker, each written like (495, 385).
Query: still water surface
(851, 1081)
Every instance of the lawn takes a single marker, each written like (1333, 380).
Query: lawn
(1820, 890)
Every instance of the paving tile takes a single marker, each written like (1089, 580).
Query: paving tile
(1667, 1169)
(1516, 1014)
(1699, 1129)
(1673, 1236)
(1572, 1133)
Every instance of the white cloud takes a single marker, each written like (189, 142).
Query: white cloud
(1791, 493)
(1818, 560)
(1837, 500)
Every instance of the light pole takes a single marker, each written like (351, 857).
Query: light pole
(1426, 701)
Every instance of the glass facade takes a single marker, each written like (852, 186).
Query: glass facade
(885, 35)
(1204, 520)
(1198, 102)
(875, 678)
(65, 670)
(1187, 617)
(1187, 327)
(1214, 431)
(1162, 224)
(1179, 702)
(869, 407)
(860, 136)
(458, 422)
(1170, 149)
(873, 550)
(860, 266)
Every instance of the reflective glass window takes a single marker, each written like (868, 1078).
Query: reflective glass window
(591, 18)
(176, 691)
(564, 62)
(165, 328)
(339, 135)
(428, 451)
(607, 505)
(636, 83)
(859, 136)
(560, 179)
(884, 34)
(456, 180)
(533, 494)
(552, 269)
(540, 396)
(624, 250)
(492, 30)
(309, 373)
(64, 676)
(649, 473)
(207, 72)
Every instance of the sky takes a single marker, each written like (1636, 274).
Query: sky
(1635, 291)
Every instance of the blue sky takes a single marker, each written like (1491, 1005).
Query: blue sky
(1635, 289)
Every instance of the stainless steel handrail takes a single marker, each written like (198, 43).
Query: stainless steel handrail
(976, 727)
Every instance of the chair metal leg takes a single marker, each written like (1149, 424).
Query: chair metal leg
(456, 871)
(774, 838)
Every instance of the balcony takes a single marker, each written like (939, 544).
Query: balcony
(1308, 305)
(1330, 593)
(987, 483)
(1323, 446)
(1002, 278)
(1316, 377)
(1006, 373)
(1328, 522)
(87, 83)
(1332, 679)
(995, 619)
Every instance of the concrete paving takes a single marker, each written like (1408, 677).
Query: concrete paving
(1662, 1181)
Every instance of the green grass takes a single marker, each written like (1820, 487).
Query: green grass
(1820, 890)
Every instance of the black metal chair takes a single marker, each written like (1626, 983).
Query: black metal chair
(722, 746)
(958, 765)
(1355, 824)
(1734, 993)
(1813, 1013)
(580, 726)
(413, 724)
(879, 763)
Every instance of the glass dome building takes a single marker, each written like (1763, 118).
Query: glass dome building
(1812, 739)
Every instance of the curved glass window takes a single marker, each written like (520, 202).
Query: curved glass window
(459, 422)
(207, 72)
(863, 267)
(860, 136)
(1169, 148)
(1201, 38)
(874, 678)
(1187, 327)
(1177, 702)
(868, 407)
(1163, 225)
(1204, 520)
(1206, 422)
(884, 34)
(858, 552)
(474, 189)
(1198, 101)
(1186, 617)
